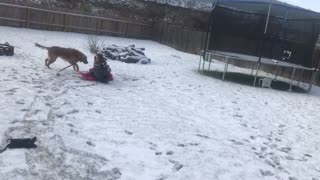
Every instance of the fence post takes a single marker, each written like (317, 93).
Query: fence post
(127, 28)
(152, 33)
(98, 26)
(162, 32)
(140, 31)
(28, 18)
(65, 22)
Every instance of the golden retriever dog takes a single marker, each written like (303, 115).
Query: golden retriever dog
(70, 55)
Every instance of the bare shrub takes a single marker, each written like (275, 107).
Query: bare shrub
(94, 43)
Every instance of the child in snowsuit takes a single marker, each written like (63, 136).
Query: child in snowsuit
(100, 72)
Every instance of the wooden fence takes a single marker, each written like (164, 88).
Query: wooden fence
(179, 37)
(36, 18)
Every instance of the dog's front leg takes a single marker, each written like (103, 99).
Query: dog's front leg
(76, 67)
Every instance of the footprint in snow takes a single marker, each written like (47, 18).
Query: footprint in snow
(203, 136)
(25, 82)
(190, 144)
(70, 125)
(60, 116)
(36, 111)
(237, 116)
(308, 155)
(55, 89)
(74, 131)
(292, 178)
(75, 111)
(266, 173)
(14, 122)
(169, 153)
(289, 158)
(282, 126)
(181, 145)
(244, 125)
(153, 146)
(128, 132)
(91, 143)
(194, 144)
(236, 142)
(177, 166)
(162, 177)
(175, 56)
(253, 137)
(48, 104)
(20, 102)
(98, 111)
(285, 149)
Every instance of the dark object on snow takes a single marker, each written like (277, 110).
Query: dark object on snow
(20, 143)
(6, 49)
(127, 54)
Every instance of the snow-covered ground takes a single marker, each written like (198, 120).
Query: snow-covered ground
(159, 121)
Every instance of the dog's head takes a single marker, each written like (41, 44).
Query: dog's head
(83, 59)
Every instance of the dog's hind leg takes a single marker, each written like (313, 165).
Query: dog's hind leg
(50, 61)
(46, 62)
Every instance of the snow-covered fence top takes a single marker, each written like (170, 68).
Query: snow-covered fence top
(36, 18)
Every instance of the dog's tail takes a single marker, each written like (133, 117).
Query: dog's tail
(40, 46)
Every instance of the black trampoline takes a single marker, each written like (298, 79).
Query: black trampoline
(265, 32)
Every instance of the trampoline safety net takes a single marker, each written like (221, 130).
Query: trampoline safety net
(239, 27)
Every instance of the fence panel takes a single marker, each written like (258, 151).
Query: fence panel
(178, 37)
(45, 20)
(13, 16)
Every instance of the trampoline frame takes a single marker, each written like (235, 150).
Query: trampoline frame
(229, 56)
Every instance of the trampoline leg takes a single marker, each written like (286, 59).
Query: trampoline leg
(292, 76)
(311, 82)
(256, 76)
(209, 62)
(200, 60)
(252, 70)
(300, 74)
(225, 68)
(204, 62)
(277, 72)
